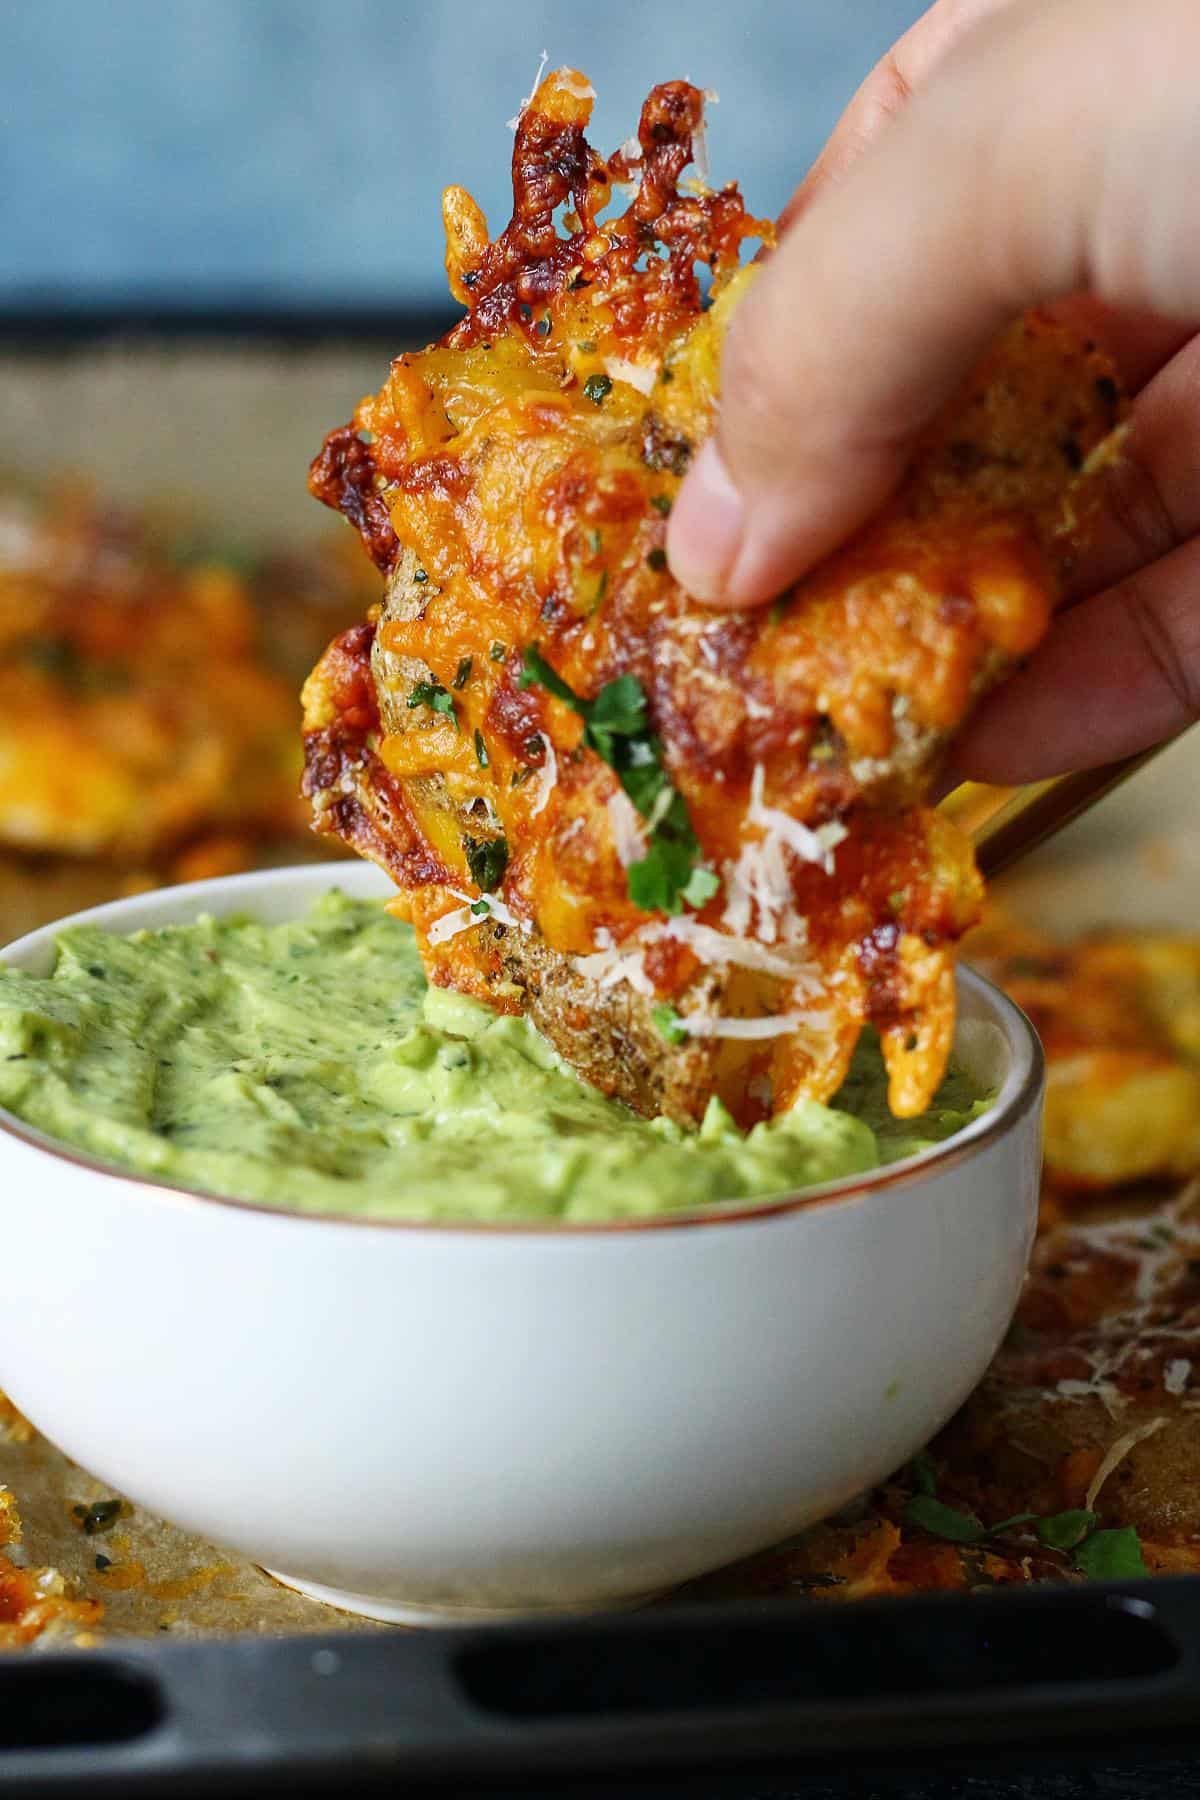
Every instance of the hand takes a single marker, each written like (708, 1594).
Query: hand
(1006, 153)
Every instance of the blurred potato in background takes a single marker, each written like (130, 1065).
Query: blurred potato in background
(148, 710)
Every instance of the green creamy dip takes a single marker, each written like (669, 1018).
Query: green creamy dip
(310, 1066)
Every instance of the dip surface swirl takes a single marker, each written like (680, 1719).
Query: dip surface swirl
(309, 1066)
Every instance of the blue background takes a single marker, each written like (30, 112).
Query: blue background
(273, 154)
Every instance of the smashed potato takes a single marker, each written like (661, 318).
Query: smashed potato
(1119, 1017)
(693, 847)
(142, 723)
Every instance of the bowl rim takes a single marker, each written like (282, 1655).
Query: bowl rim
(1020, 1093)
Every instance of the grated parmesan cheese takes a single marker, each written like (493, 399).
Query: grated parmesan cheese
(716, 948)
(543, 784)
(809, 845)
(462, 918)
(641, 376)
(628, 833)
(759, 882)
(608, 967)
(700, 140)
(713, 946)
(705, 1025)
(537, 82)
(1119, 1451)
(1175, 1376)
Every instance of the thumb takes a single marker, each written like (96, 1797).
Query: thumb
(1012, 178)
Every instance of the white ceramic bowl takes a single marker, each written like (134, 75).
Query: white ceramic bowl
(432, 1421)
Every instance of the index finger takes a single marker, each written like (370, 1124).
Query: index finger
(886, 90)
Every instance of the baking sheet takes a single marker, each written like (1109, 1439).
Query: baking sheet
(228, 432)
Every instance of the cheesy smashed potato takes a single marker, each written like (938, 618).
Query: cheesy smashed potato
(694, 847)
(141, 724)
(1119, 1018)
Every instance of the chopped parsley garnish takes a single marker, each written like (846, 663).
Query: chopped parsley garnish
(661, 503)
(596, 387)
(435, 696)
(588, 348)
(498, 651)
(1109, 1555)
(481, 908)
(463, 674)
(487, 859)
(943, 1521)
(1065, 1530)
(535, 668)
(671, 873)
(656, 559)
(481, 755)
(594, 541)
(520, 776)
(420, 575)
(669, 1023)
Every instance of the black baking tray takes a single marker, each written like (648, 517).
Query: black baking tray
(790, 1697)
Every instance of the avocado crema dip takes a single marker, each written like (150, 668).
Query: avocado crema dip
(309, 1066)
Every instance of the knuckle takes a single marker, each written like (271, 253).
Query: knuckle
(889, 90)
(1138, 507)
(1163, 648)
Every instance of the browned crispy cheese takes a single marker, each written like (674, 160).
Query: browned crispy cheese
(512, 482)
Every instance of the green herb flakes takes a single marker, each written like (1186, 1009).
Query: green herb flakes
(1108, 1555)
(1112, 1556)
(463, 673)
(481, 755)
(433, 695)
(1065, 1530)
(487, 859)
(669, 1023)
(616, 727)
(943, 1521)
(597, 388)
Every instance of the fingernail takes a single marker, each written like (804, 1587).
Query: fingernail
(708, 522)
